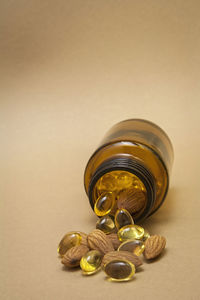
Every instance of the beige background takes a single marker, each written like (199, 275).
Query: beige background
(69, 71)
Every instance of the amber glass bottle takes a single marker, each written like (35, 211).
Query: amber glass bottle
(134, 154)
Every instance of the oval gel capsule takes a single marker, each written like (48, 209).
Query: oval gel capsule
(69, 240)
(123, 218)
(124, 180)
(106, 224)
(104, 204)
(119, 270)
(91, 262)
(130, 232)
(107, 183)
(134, 246)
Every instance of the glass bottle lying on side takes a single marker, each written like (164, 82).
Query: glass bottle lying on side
(133, 162)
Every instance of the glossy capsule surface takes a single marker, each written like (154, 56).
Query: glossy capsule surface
(130, 232)
(116, 181)
(123, 218)
(69, 240)
(146, 235)
(106, 224)
(104, 204)
(91, 262)
(119, 270)
(124, 180)
(134, 246)
(107, 183)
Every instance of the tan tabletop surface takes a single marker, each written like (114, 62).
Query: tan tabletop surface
(69, 71)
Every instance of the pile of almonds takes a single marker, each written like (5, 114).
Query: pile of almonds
(107, 245)
(116, 245)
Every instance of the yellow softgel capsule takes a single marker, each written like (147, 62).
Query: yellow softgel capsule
(130, 232)
(146, 235)
(134, 246)
(106, 224)
(104, 204)
(138, 185)
(124, 180)
(91, 262)
(107, 183)
(69, 240)
(119, 270)
(123, 218)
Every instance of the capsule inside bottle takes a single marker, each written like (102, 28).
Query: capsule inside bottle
(135, 154)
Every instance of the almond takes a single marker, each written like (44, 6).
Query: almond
(133, 200)
(125, 255)
(73, 256)
(98, 240)
(114, 239)
(154, 245)
(83, 239)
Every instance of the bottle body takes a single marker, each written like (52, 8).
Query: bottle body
(135, 154)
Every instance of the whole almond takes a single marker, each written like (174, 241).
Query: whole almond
(73, 256)
(98, 240)
(83, 239)
(125, 255)
(114, 239)
(133, 200)
(154, 245)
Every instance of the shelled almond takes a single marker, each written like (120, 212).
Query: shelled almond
(118, 253)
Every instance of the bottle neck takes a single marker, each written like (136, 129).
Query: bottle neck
(133, 166)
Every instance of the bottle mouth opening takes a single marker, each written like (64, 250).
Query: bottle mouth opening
(132, 166)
